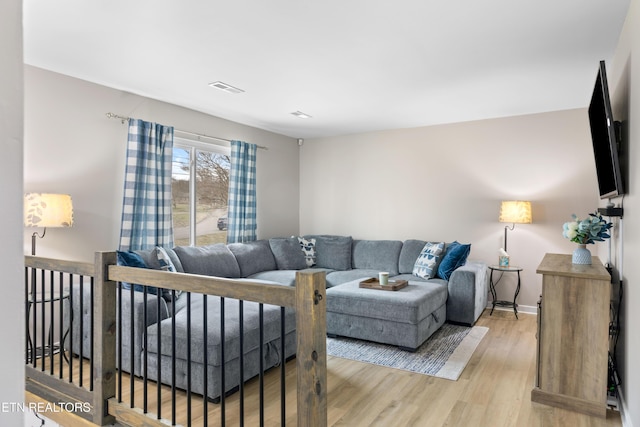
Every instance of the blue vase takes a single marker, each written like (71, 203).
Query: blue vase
(581, 255)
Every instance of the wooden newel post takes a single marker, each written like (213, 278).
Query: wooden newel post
(104, 321)
(311, 357)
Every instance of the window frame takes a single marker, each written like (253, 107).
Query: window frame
(192, 146)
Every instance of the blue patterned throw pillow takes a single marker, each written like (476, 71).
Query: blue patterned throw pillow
(426, 265)
(163, 259)
(309, 249)
(166, 265)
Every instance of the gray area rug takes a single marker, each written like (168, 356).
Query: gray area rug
(443, 355)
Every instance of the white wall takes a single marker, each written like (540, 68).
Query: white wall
(72, 147)
(446, 182)
(624, 79)
(11, 259)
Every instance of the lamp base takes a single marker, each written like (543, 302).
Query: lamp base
(33, 240)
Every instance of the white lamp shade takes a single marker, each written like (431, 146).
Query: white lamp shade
(48, 210)
(515, 211)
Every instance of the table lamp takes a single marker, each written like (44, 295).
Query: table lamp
(47, 210)
(515, 212)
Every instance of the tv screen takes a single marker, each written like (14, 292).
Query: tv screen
(603, 135)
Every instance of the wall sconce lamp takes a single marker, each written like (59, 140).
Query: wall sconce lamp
(46, 210)
(515, 212)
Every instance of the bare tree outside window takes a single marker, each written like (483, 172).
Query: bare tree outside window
(200, 188)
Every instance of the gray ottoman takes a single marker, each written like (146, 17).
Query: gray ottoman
(405, 318)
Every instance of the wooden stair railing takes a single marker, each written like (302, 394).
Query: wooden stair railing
(307, 297)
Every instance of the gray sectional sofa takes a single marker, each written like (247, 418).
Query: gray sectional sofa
(459, 299)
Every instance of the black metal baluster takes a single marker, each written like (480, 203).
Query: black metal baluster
(282, 368)
(71, 330)
(119, 343)
(27, 306)
(81, 324)
(61, 333)
(205, 364)
(222, 366)
(132, 347)
(173, 364)
(261, 320)
(91, 332)
(42, 319)
(51, 320)
(34, 309)
(241, 316)
(145, 361)
(159, 360)
(189, 359)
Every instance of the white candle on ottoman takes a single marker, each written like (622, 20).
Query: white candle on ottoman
(383, 278)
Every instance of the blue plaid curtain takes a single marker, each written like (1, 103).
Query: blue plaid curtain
(242, 193)
(146, 208)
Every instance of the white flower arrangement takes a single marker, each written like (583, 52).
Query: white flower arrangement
(589, 230)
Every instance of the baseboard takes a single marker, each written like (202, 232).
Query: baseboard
(528, 309)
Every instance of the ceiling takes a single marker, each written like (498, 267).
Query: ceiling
(353, 65)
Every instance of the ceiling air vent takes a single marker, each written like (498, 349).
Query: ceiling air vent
(225, 87)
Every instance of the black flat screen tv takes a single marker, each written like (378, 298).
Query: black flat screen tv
(605, 142)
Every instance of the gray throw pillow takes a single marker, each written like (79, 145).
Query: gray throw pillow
(253, 257)
(288, 254)
(409, 254)
(333, 252)
(212, 260)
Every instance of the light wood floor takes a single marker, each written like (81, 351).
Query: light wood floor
(494, 390)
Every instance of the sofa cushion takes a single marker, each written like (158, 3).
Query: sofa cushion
(426, 266)
(333, 252)
(308, 247)
(455, 256)
(251, 323)
(409, 254)
(253, 257)
(211, 260)
(287, 253)
(380, 255)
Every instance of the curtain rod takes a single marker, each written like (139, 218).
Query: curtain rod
(124, 119)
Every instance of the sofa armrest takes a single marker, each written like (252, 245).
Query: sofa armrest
(467, 287)
(137, 325)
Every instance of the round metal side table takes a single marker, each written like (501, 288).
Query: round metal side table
(492, 287)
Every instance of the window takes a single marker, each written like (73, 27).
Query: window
(200, 186)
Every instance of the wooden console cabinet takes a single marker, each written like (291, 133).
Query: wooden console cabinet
(573, 335)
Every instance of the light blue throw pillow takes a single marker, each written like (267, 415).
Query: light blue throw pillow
(426, 265)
